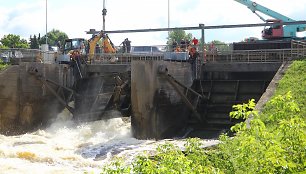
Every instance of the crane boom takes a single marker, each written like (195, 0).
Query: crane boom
(253, 6)
(277, 31)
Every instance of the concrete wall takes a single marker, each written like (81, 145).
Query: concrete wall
(24, 101)
(157, 110)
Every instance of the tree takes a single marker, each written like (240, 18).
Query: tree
(178, 35)
(219, 45)
(53, 37)
(34, 42)
(14, 41)
(2, 46)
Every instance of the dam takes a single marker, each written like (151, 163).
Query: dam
(157, 92)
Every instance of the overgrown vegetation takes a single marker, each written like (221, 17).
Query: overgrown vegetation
(2, 65)
(275, 142)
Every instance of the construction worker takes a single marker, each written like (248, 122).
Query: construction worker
(183, 45)
(195, 41)
(128, 45)
(193, 56)
(174, 45)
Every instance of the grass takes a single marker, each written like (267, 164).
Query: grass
(295, 81)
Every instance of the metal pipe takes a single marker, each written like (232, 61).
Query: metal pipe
(205, 27)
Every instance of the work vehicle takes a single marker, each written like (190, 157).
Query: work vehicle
(276, 36)
(108, 46)
(86, 49)
(71, 47)
(277, 31)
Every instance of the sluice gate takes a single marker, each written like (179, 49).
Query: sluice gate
(161, 111)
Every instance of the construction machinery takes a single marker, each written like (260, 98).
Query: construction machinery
(277, 36)
(277, 31)
(72, 47)
(86, 49)
(108, 46)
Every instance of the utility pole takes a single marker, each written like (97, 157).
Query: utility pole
(46, 21)
(168, 24)
(104, 14)
(168, 14)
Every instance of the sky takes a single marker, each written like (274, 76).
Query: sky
(74, 17)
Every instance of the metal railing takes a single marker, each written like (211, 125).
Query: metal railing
(299, 48)
(17, 55)
(123, 58)
(297, 51)
(273, 55)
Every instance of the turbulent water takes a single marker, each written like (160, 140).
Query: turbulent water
(67, 147)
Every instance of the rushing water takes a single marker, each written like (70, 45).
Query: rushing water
(67, 147)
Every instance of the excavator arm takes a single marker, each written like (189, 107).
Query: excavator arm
(108, 46)
(92, 44)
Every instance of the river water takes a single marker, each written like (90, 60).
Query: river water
(68, 147)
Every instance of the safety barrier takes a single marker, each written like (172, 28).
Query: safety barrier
(123, 58)
(18, 55)
(273, 55)
(299, 48)
(297, 51)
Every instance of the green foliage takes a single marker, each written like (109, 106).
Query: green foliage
(178, 35)
(243, 111)
(34, 42)
(14, 41)
(170, 159)
(53, 37)
(2, 46)
(282, 107)
(280, 149)
(295, 81)
(221, 46)
(116, 167)
(275, 141)
(258, 149)
(3, 65)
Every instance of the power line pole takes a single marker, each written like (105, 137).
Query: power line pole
(168, 17)
(104, 14)
(46, 21)
(168, 13)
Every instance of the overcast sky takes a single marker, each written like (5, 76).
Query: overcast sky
(74, 17)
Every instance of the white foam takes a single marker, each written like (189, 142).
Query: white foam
(66, 147)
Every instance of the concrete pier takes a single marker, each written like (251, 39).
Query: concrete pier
(157, 110)
(24, 101)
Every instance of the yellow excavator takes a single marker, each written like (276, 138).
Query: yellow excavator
(85, 49)
(108, 46)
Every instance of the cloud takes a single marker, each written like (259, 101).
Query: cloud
(74, 17)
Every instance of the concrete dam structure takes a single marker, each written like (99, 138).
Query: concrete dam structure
(160, 95)
(25, 101)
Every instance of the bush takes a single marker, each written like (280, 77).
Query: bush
(275, 141)
(3, 65)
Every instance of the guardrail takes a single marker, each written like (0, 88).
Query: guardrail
(18, 55)
(124, 58)
(299, 47)
(273, 55)
(297, 51)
